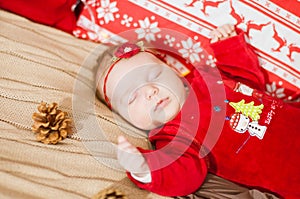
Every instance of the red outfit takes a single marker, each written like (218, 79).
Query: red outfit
(57, 13)
(253, 140)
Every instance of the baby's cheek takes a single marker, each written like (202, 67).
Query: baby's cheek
(140, 117)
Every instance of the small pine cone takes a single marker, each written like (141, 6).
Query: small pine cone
(110, 194)
(51, 125)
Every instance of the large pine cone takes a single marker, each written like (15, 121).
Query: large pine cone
(110, 194)
(51, 125)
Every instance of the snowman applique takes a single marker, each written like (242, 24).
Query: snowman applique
(246, 118)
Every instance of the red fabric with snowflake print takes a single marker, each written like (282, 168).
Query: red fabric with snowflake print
(56, 13)
(271, 27)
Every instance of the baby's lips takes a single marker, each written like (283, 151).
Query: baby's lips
(161, 102)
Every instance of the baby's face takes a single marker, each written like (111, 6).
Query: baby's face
(145, 91)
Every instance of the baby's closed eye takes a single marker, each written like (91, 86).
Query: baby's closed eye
(132, 97)
(154, 74)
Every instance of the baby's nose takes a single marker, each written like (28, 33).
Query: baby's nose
(151, 92)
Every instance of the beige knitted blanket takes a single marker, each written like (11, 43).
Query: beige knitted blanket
(39, 63)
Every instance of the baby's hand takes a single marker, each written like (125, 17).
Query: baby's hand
(131, 159)
(222, 32)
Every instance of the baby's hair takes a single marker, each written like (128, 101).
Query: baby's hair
(103, 63)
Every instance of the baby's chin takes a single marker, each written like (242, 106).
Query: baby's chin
(158, 122)
(157, 119)
(149, 126)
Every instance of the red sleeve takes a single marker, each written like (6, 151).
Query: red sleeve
(182, 176)
(55, 13)
(237, 60)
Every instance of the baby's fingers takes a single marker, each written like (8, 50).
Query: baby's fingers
(215, 33)
(226, 29)
(130, 157)
(222, 32)
(126, 146)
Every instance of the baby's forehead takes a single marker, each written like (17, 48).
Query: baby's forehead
(138, 61)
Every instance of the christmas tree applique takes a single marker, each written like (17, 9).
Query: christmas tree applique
(248, 109)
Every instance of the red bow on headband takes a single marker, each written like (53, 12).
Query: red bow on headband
(126, 50)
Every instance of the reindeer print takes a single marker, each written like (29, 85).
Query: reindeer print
(253, 26)
(280, 40)
(239, 18)
(191, 4)
(292, 49)
(205, 4)
(211, 4)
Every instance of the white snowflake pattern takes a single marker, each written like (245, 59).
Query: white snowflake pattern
(106, 10)
(76, 33)
(93, 36)
(190, 50)
(93, 3)
(211, 61)
(147, 30)
(126, 20)
(169, 40)
(274, 91)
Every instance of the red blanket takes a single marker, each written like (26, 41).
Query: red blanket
(56, 13)
(272, 28)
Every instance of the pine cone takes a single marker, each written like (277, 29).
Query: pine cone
(110, 194)
(51, 125)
